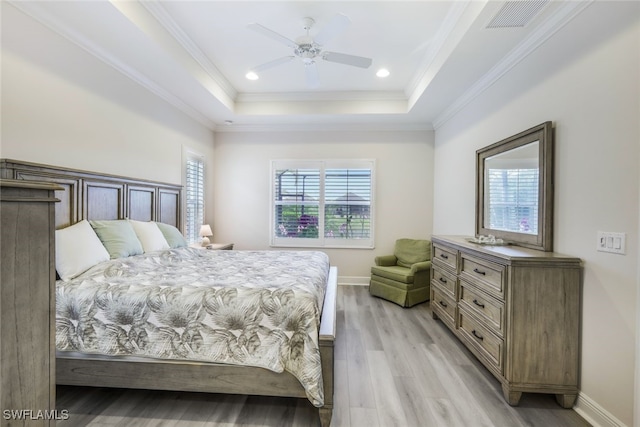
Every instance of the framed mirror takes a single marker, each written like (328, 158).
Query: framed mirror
(514, 189)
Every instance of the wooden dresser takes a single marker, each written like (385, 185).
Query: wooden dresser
(27, 303)
(516, 309)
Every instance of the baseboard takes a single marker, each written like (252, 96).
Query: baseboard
(353, 280)
(595, 414)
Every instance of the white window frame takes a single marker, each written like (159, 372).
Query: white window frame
(321, 241)
(191, 231)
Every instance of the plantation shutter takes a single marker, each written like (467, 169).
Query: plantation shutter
(297, 197)
(514, 199)
(347, 196)
(194, 197)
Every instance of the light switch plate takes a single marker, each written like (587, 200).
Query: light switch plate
(609, 241)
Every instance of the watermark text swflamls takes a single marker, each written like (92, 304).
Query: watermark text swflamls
(39, 414)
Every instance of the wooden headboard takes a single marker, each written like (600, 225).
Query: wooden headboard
(89, 195)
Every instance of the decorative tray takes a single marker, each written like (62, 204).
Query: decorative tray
(487, 241)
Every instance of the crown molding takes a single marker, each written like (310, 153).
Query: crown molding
(37, 12)
(322, 96)
(566, 12)
(435, 47)
(323, 127)
(171, 26)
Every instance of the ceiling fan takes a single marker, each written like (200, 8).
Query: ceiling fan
(309, 49)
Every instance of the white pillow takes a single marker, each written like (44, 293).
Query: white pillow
(78, 248)
(150, 236)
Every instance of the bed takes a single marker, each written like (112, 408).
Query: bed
(98, 197)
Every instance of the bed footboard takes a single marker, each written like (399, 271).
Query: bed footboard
(327, 341)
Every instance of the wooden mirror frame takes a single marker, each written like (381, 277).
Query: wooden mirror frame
(544, 239)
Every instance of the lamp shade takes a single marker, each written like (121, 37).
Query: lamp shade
(205, 230)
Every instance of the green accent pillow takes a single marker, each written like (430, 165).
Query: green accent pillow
(410, 251)
(174, 238)
(118, 237)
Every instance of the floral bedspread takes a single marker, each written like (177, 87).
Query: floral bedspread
(256, 308)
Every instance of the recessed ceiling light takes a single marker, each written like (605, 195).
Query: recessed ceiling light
(252, 76)
(382, 72)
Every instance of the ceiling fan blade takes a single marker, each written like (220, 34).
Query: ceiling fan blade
(273, 63)
(272, 35)
(335, 27)
(343, 58)
(311, 71)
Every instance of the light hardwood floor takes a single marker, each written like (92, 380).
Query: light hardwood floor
(393, 367)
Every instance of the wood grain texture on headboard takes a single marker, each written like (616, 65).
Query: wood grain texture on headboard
(90, 195)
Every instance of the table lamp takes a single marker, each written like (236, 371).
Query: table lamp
(205, 232)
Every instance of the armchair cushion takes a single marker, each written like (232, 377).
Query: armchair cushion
(420, 266)
(410, 251)
(386, 260)
(395, 272)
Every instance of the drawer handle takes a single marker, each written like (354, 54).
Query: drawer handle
(475, 334)
(475, 270)
(443, 280)
(443, 256)
(444, 304)
(475, 301)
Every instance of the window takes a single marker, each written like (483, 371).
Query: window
(514, 199)
(194, 185)
(322, 203)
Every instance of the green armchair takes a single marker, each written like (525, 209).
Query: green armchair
(403, 278)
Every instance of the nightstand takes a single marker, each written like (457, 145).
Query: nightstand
(220, 246)
(215, 246)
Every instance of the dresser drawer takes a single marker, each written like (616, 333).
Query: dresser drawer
(487, 308)
(445, 280)
(489, 347)
(444, 306)
(484, 274)
(447, 256)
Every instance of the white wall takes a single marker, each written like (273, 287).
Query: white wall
(61, 106)
(403, 185)
(585, 80)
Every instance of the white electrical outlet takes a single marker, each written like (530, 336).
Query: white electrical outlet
(609, 241)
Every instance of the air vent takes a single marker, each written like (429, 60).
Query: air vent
(517, 14)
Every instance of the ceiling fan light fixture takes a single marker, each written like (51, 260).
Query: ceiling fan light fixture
(308, 48)
(382, 73)
(252, 75)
